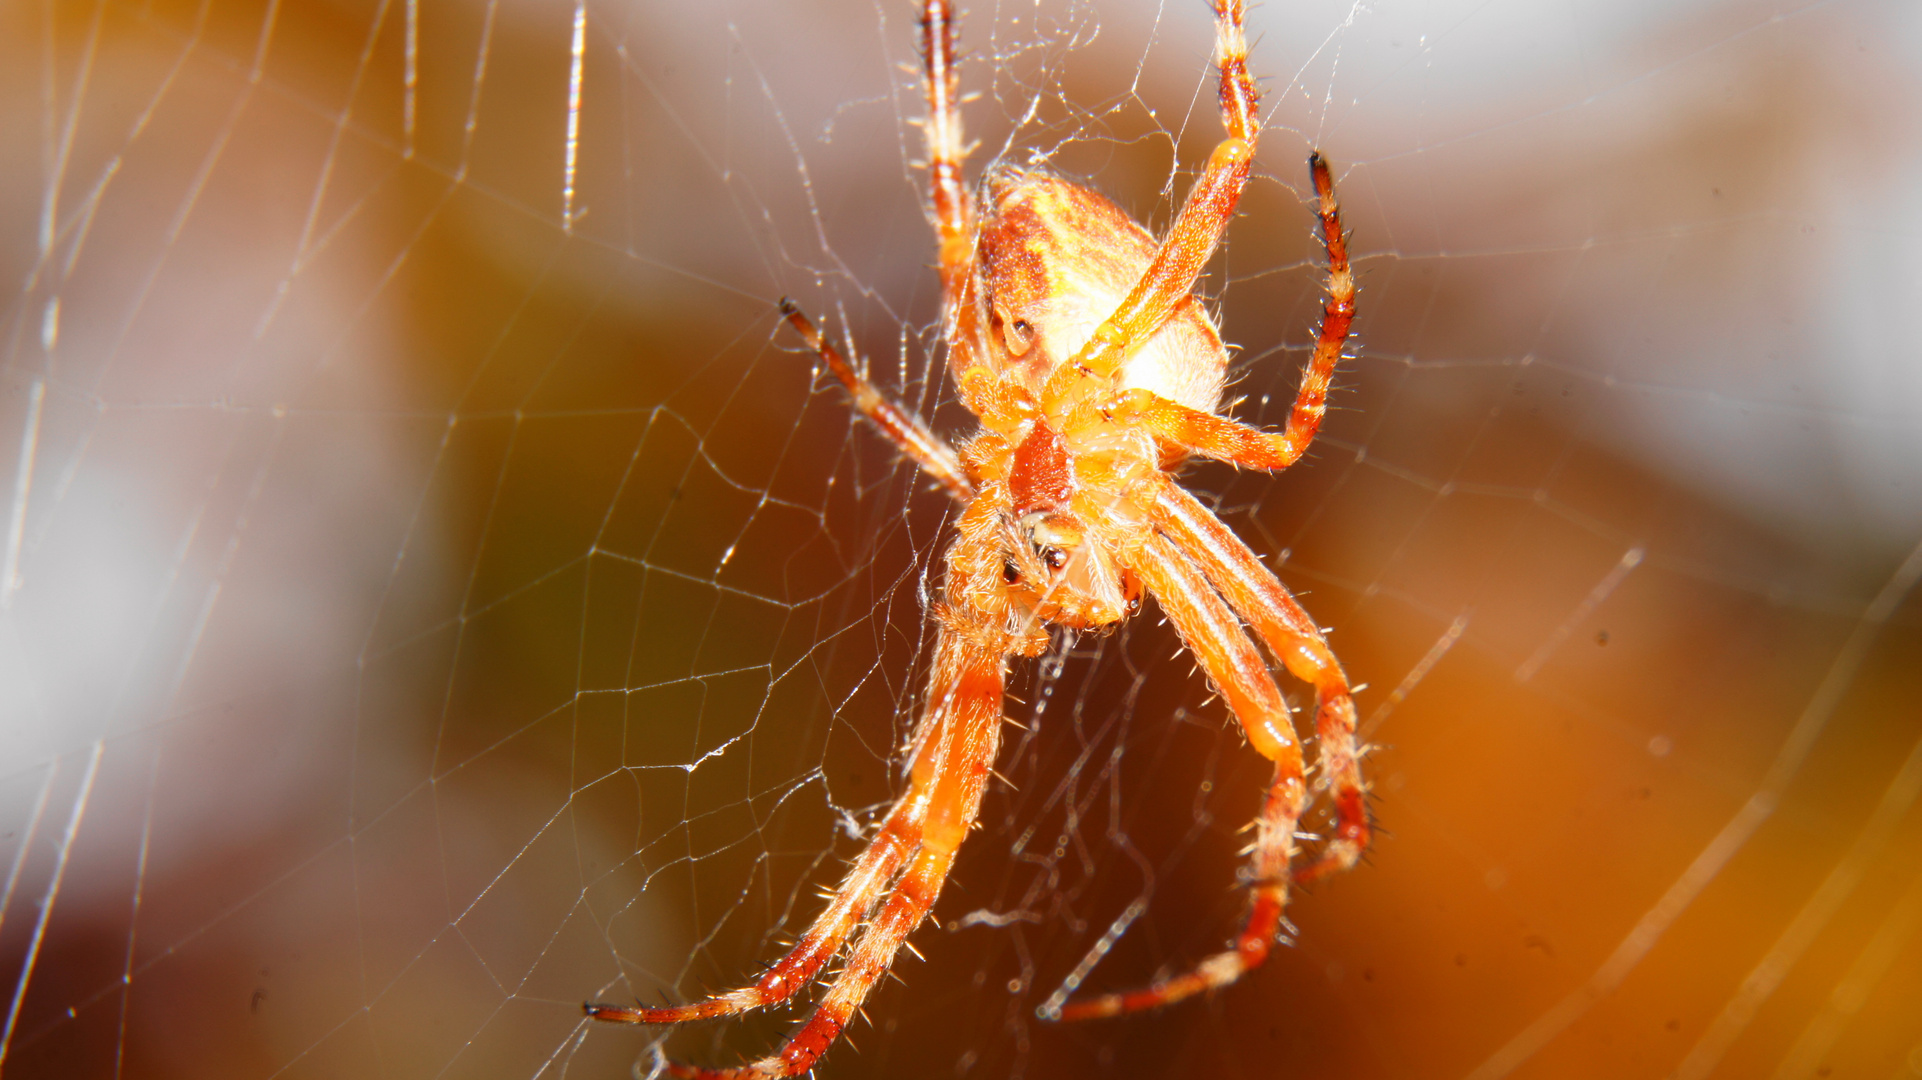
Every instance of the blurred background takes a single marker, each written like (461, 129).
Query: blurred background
(436, 591)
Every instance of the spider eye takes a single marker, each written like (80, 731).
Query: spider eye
(1054, 558)
(1010, 573)
(1018, 336)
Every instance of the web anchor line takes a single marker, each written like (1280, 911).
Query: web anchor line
(1816, 914)
(1630, 559)
(82, 796)
(1420, 671)
(1734, 835)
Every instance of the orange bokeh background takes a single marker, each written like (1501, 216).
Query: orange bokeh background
(448, 616)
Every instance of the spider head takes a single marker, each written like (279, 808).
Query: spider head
(1054, 566)
(1057, 573)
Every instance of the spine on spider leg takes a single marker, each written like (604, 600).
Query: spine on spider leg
(1337, 315)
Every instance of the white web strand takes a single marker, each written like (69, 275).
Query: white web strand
(1416, 674)
(133, 919)
(577, 58)
(82, 796)
(410, 82)
(27, 835)
(22, 488)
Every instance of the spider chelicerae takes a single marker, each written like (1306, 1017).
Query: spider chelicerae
(1094, 371)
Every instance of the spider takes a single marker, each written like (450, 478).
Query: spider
(1094, 371)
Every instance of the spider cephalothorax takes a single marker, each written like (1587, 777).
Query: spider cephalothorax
(1075, 338)
(1058, 563)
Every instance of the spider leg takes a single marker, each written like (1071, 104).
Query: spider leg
(954, 230)
(1337, 315)
(954, 752)
(947, 193)
(1215, 637)
(1190, 242)
(1264, 602)
(908, 432)
(1228, 440)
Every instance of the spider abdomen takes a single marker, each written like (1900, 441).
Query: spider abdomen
(1053, 260)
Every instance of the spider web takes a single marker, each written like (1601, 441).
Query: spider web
(436, 592)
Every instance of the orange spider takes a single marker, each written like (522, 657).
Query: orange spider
(1094, 370)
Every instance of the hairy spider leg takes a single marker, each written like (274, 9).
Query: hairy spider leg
(1228, 440)
(1232, 573)
(955, 747)
(1265, 604)
(1190, 242)
(1236, 669)
(953, 767)
(909, 433)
